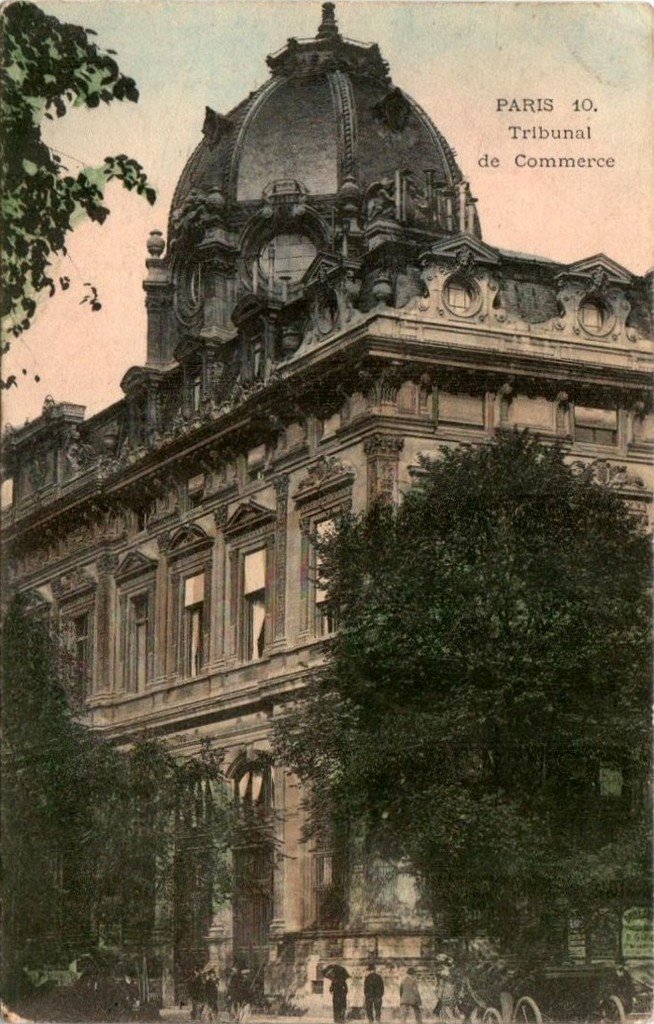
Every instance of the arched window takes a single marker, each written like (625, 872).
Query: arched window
(253, 790)
(286, 257)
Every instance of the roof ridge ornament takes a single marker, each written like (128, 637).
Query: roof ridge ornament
(328, 28)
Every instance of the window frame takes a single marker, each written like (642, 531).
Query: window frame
(71, 611)
(465, 284)
(245, 606)
(269, 268)
(323, 610)
(135, 579)
(138, 614)
(587, 433)
(250, 528)
(188, 616)
(185, 565)
(315, 508)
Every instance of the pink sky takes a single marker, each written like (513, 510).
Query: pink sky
(456, 59)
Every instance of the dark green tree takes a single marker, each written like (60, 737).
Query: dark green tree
(90, 833)
(48, 67)
(485, 708)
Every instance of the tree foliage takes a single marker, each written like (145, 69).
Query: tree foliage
(93, 836)
(488, 684)
(49, 67)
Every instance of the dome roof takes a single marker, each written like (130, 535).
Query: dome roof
(328, 117)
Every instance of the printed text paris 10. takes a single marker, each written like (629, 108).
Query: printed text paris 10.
(523, 130)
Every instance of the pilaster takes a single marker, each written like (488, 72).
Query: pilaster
(106, 565)
(383, 455)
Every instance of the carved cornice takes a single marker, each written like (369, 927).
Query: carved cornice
(611, 475)
(72, 583)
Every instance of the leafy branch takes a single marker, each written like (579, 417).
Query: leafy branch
(49, 68)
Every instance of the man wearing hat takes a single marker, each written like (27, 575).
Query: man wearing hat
(410, 997)
(373, 993)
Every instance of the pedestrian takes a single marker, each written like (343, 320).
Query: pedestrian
(339, 998)
(235, 992)
(211, 994)
(410, 997)
(197, 994)
(373, 993)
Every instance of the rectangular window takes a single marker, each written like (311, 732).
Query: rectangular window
(82, 648)
(256, 462)
(193, 624)
(597, 426)
(254, 605)
(139, 630)
(325, 619)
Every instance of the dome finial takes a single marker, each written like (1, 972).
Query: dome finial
(328, 27)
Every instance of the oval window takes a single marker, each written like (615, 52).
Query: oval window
(458, 297)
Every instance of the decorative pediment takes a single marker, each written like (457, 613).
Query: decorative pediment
(463, 250)
(326, 474)
(321, 269)
(135, 564)
(249, 516)
(185, 540)
(601, 271)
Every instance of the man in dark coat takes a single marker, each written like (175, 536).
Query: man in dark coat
(235, 992)
(211, 994)
(339, 997)
(373, 993)
(410, 997)
(196, 992)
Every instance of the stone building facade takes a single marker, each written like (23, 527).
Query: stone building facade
(322, 313)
